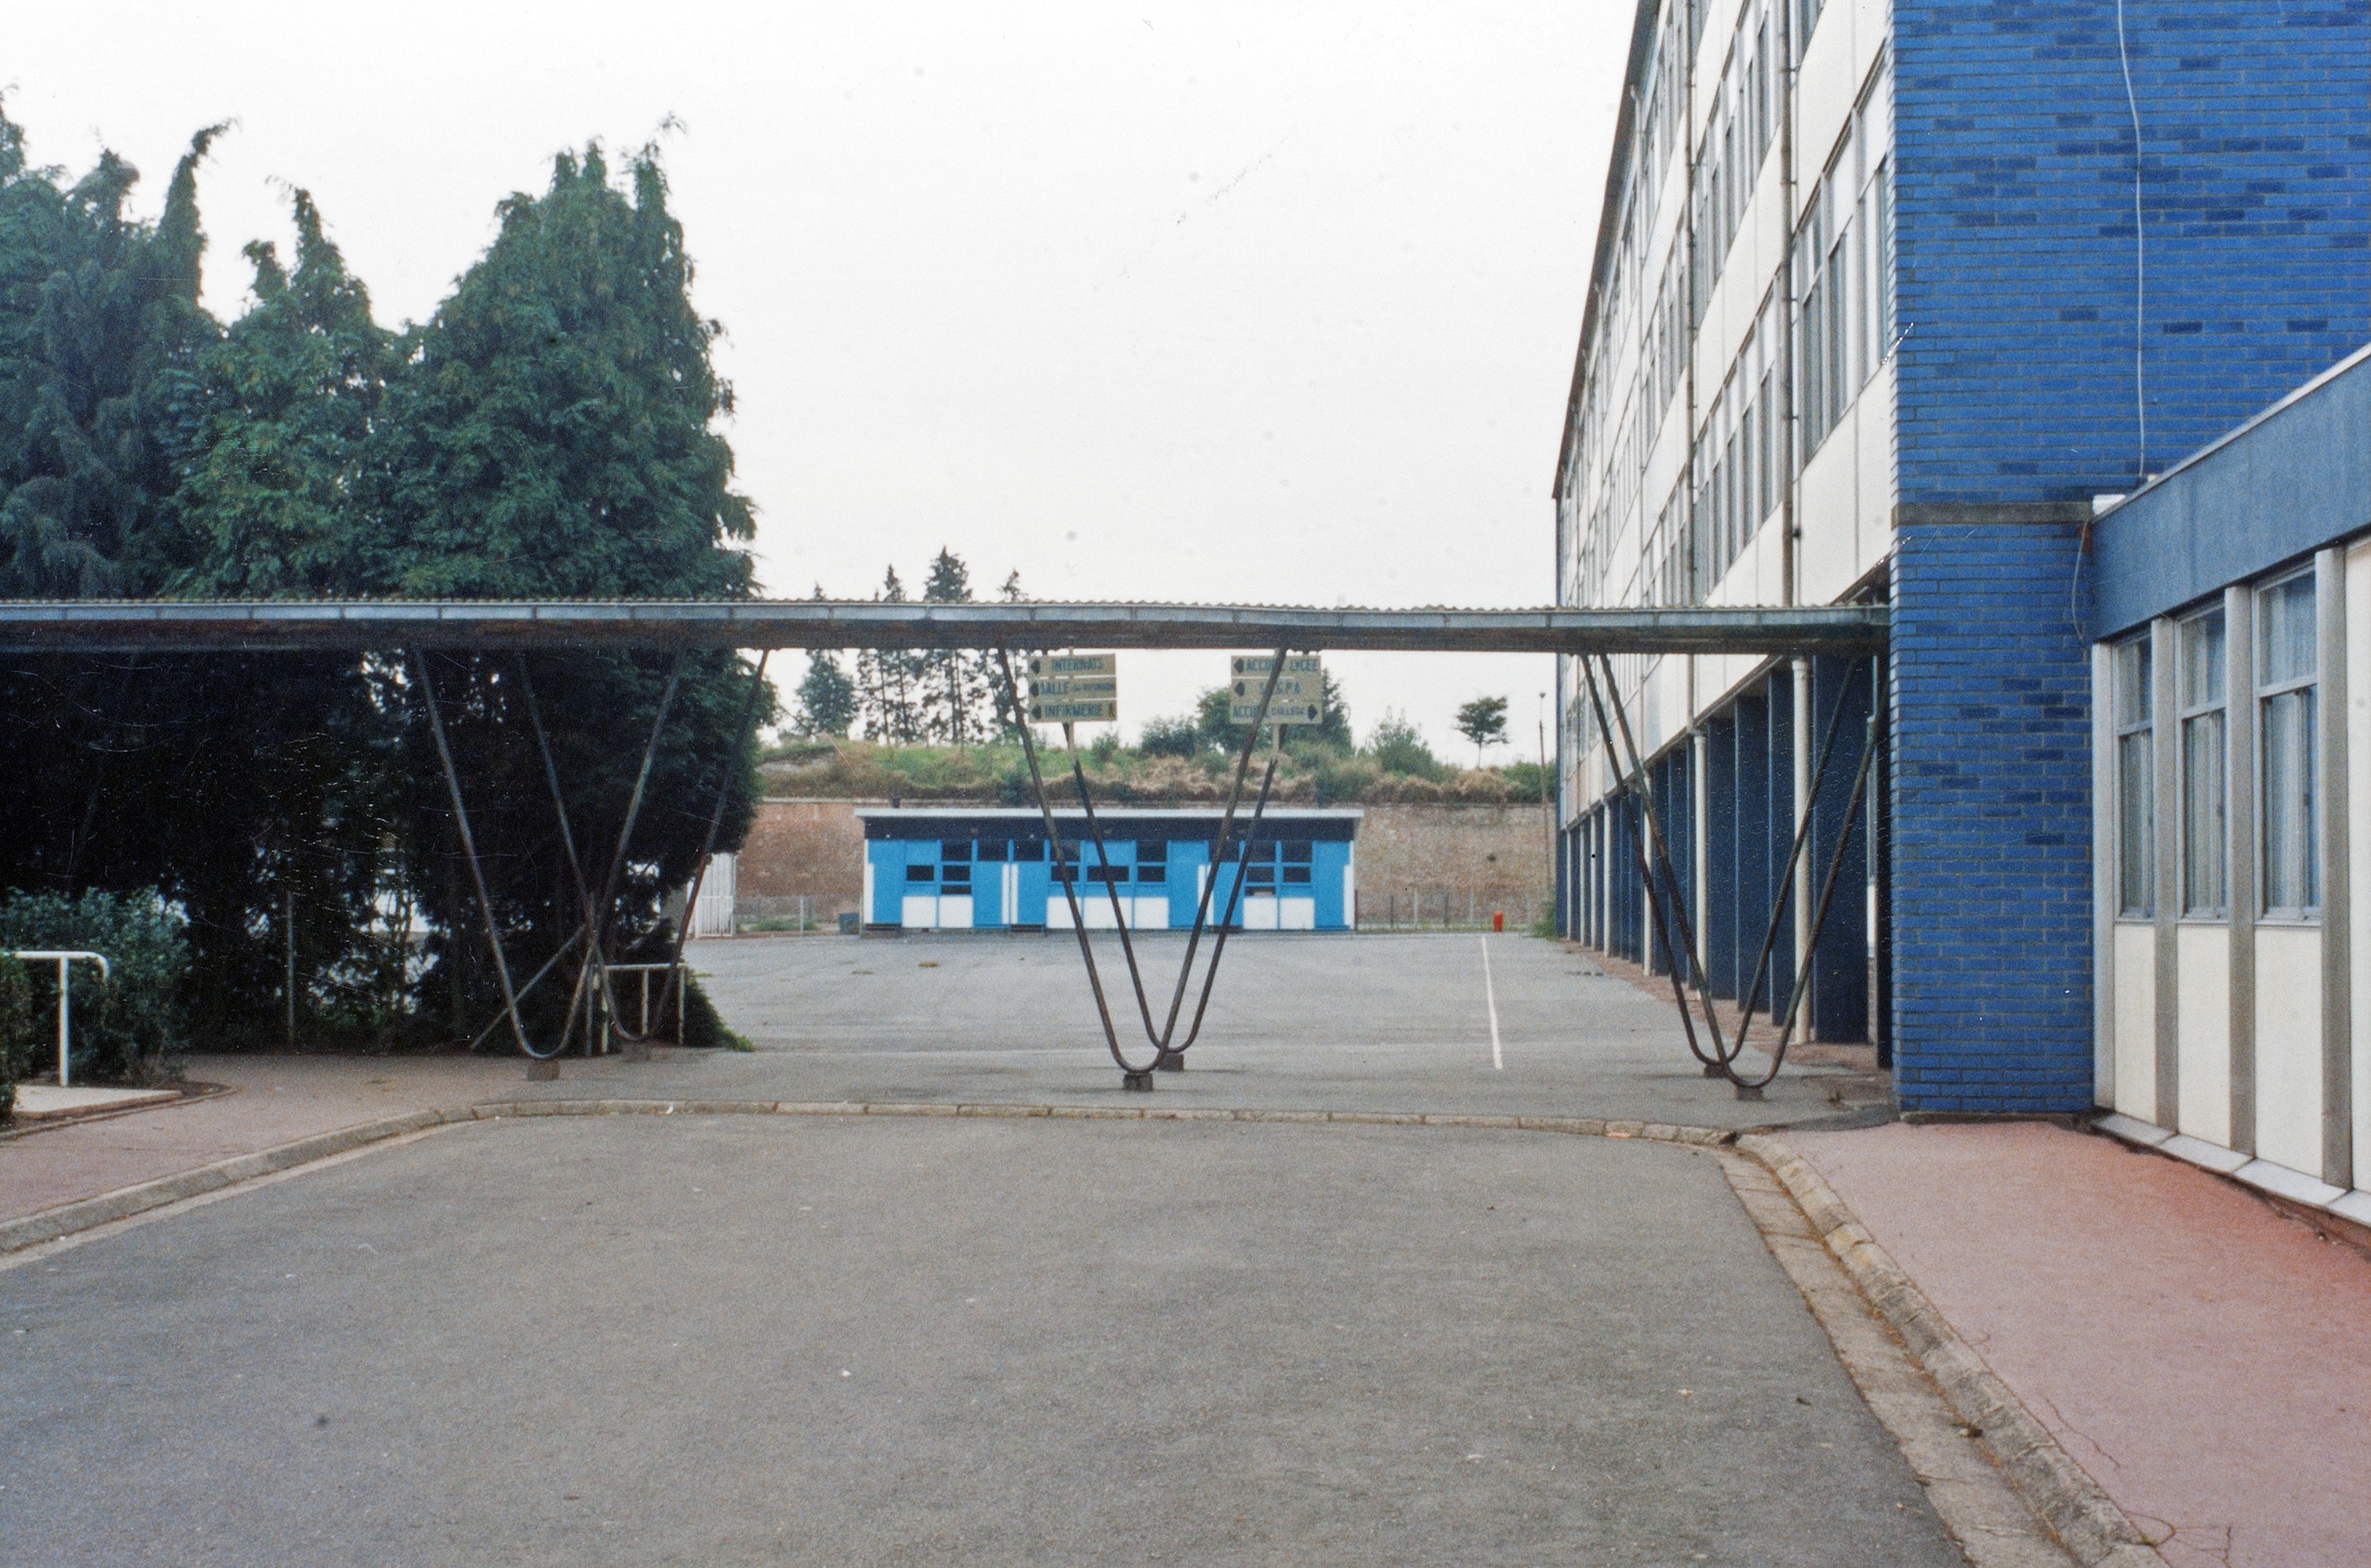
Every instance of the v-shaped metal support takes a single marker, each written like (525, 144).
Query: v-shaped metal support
(592, 975)
(1166, 1054)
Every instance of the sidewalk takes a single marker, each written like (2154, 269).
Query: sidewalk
(275, 1100)
(2205, 1358)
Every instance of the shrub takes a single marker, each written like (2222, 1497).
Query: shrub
(1398, 746)
(127, 1028)
(1180, 736)
(18, 1030)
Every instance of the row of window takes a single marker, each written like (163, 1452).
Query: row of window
(1744, 458)
(1843, 267)
(1743, 122)
(2288, 822)
(1033, 850)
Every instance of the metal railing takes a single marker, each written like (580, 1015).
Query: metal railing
(65, 960)
(645, 971)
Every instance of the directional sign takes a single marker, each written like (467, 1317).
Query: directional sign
(1300, 690)
(1073, 688)
(1048, 665)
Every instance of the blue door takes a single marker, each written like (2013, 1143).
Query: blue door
(1033, 885)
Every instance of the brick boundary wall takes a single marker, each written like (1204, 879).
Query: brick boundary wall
(1496, 857)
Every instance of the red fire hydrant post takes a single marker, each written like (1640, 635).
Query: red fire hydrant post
(1497, 919)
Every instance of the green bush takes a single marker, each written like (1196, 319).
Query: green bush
(1398, 746)
(1180, 736)
(18, 1030)
(127, 1028)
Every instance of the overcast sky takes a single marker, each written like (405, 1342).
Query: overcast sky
(1214, 302)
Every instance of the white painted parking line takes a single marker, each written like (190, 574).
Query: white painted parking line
(1490, 994)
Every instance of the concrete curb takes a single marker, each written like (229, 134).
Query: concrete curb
(2087, 1519)
(48, 1224)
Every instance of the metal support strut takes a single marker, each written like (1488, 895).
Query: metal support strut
(1724, 1058)
(1165, 1055)
(592, 982)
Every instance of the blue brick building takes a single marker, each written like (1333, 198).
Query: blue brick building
(1886, 296)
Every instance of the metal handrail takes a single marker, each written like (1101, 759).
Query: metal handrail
(65, 958)
(645, 971)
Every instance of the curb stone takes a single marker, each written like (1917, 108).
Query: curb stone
(48, 1224)
(2086, 1518)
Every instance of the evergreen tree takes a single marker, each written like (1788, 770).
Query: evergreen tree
(549, 433)
(956, 682)
(889, 682)
(828, 704)
(268, 507)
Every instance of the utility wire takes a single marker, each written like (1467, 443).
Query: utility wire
(2140, 250)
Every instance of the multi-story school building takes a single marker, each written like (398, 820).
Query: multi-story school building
(1897, 301)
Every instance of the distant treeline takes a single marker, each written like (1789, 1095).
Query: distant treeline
(548, 432)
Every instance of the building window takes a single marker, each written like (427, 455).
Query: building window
(2204, 874)
(2287, 667)
(2135, 782)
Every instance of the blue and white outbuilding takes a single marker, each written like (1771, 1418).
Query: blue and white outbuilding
(977, 869)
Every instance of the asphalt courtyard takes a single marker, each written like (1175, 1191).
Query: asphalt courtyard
(795, 1339)
(1453, 1022)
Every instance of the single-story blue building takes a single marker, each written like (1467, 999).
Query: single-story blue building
(977, 868)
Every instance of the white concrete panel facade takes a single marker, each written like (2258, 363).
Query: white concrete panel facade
(2288, 1045)
(2136, 1025)
(2203, 1031)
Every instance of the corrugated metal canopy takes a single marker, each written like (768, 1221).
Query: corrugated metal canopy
(199, 626)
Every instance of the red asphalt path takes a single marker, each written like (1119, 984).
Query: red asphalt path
(2205, 1358)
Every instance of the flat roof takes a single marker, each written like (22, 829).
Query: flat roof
(1031, 813)
(2293, 479)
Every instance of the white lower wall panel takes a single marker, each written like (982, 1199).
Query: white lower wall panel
(2288, 1046)
(2358, 844)
(1296, 913)
(920, 911)
(2135, 960)
(954, 913)
(2203, 1031)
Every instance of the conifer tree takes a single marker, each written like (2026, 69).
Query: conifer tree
(828, 704)
(956, 681)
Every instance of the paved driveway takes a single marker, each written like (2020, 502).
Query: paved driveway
(744, 1339)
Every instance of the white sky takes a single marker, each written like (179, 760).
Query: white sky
(1158, 301)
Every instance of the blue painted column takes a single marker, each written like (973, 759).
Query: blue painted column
(1749, 896)
(1779, 836)
(1720, 854)
(1839, 1001)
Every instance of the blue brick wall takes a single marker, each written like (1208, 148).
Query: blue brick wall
(1992, 814)
(2013, 149)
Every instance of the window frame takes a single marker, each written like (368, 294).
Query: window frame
(2192, 709)
(2132, 680)
(2266, 694)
